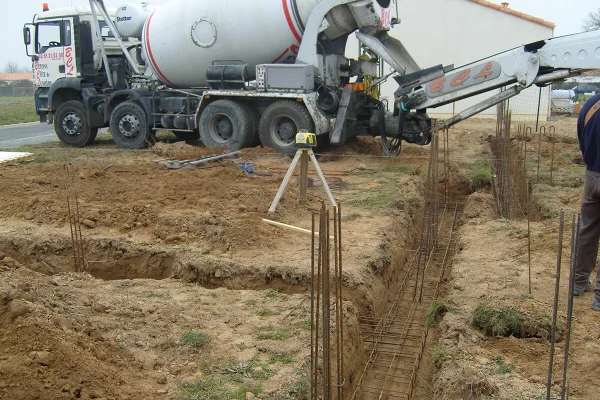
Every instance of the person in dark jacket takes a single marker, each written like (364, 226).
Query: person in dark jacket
(588, 132)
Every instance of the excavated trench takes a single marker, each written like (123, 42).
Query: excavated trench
(119, 259)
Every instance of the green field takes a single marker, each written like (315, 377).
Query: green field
(16, 110)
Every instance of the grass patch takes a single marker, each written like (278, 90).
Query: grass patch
(503, 321)
(301, 389)
(402, 169)
(195, 339)
(241, 346)
(380, 264)
(16, 110)
(480, 179)
(352, 217)
(438, 309)
(478, 173)
(441, 354)
(375, 199)
(217, 388)
(239, 369)
(153, 294)
(42, 156)
(265, 312)
(501, 366)
(282, 357)
(278, 334)
(271, 294)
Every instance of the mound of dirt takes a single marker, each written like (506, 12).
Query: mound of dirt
(72, 336)
(46, 353)
(480, 206)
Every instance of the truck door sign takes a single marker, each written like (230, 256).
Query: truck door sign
(69, 63)
(463, 79)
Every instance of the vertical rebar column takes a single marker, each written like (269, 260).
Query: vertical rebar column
(507, 170)
(423, 249)
(341, 298)
(447, 163)
(528, 208)
(313, 359)
(539, 154)
(74, 218)
(325, 302)
(318, 304)
(552, 139)
(437, 182)
(555, 309)
(338, 319)
(574, 243)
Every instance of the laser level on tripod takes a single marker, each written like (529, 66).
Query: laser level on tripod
(305, 142)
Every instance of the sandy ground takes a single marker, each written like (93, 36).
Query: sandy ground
(174, 254)
(491, 268)
(188, 294)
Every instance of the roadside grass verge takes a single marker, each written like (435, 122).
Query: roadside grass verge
(17, 110)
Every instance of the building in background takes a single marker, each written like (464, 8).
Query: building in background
(16, 85)
(460, 32)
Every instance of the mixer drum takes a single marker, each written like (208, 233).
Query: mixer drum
(184, 37)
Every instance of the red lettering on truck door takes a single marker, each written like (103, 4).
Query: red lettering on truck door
(70, 66)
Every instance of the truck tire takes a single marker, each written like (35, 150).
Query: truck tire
(255, 117)
(187, 136)
(279, 124)
(226, 123)
(71, 125)
(129, 126)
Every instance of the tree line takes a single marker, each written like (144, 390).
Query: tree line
(592, 22)
(12, 67)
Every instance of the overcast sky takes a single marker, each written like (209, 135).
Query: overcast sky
(567, 15)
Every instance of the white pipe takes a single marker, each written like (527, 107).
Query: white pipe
(99, 37)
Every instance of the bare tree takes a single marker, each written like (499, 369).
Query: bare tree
(592, 22)
(14, 68)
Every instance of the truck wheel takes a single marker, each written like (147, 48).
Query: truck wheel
(225, 123)
(71, 125)
(279, 124)
(129, 126)
(255, 118)
(187, 136)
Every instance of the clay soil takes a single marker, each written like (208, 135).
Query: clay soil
(187, 294)
(491, 269)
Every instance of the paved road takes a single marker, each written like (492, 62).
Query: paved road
(29, 133)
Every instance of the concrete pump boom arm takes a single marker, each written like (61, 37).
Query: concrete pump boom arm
(538, 63)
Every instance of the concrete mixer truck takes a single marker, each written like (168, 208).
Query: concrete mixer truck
(236, 73)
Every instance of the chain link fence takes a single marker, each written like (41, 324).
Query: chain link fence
(16, 91)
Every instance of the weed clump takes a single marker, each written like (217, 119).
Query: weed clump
(441, 354)
(503, 321)
(481, 179)
(195, 339)
(438, 309)
(501, 366)
(279, 334)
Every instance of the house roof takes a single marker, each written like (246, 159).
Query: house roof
(518, 14)
(16, 77)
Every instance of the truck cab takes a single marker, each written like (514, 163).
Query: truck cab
(68, 69)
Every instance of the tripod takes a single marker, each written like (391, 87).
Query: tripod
(302, 155)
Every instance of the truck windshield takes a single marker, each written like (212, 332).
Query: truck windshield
(53, 34)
